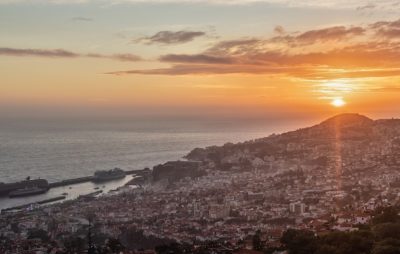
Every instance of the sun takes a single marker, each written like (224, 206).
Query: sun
(338, 102)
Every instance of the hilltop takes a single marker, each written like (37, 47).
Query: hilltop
(354, 139)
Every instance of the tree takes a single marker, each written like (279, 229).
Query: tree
(386, 249)
(358, 242)
(387, 230)
(74, 245)
(382, 236)
(169, 249)
(15, 227)
(386, 215)
(257, 244)
(38, 234)
(387, 246)
(115, 245)
(299, 241)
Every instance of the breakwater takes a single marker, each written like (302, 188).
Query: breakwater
(139, 172)
(71, 181)
(41, 202)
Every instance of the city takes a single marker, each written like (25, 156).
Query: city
(232, 192)
(199, 127)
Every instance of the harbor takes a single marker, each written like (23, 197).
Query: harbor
(68, 189)
(7, 188)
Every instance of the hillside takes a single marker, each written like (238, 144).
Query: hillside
(352, 142)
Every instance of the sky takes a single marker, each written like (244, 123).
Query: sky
(249, 59)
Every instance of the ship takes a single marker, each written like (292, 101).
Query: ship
(27, 191)
(6, 188)
(108, 175)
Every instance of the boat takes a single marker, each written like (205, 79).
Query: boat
(27, 191)
(90, 195)
(108, 175)
(7, 188)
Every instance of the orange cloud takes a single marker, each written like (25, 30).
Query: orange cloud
(336, 33)
(333, 52)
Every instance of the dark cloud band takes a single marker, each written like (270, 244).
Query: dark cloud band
(61, 53)
(170, 37)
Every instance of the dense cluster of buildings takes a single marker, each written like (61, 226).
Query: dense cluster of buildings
(264, 186)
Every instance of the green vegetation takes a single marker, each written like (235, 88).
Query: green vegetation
(382, 236)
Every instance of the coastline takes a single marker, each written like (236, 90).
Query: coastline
(67, 186)
(74, 190)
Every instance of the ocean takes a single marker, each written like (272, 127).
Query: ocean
(59, 150)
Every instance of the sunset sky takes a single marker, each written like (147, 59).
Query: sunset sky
(222, 58)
